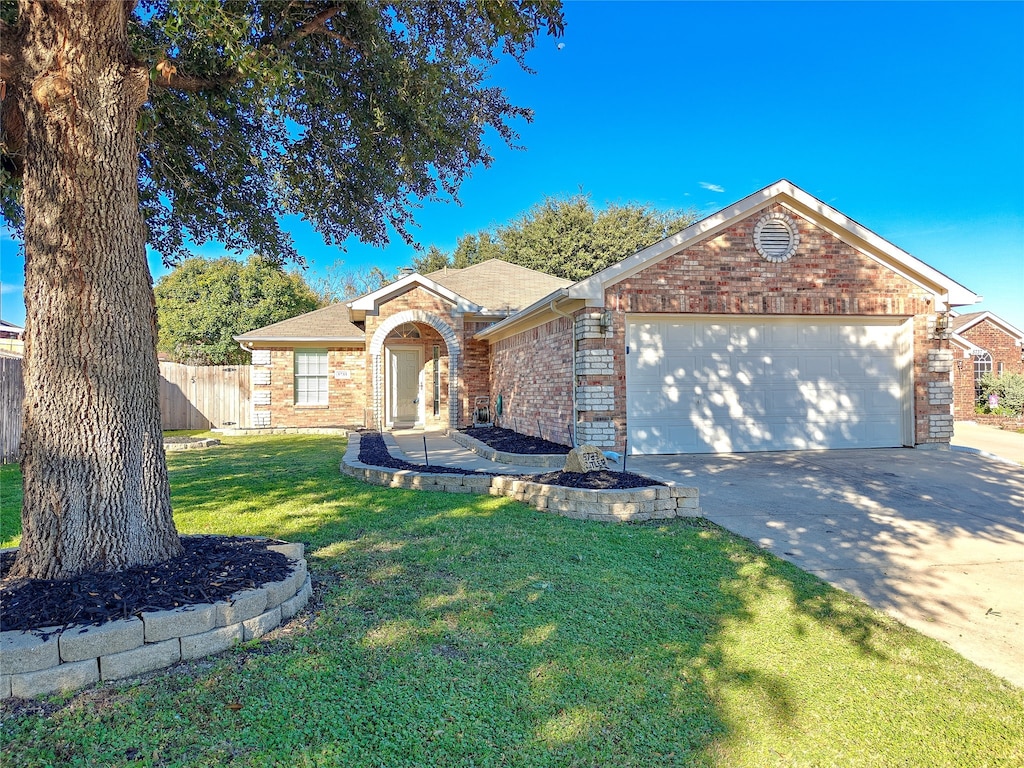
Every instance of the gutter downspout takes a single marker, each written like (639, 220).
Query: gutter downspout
(575, 344)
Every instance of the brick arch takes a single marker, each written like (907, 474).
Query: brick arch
(415, 316)
(376, 349)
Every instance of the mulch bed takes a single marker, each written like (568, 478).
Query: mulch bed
(373, 451)
(501, 439)
(211, 569)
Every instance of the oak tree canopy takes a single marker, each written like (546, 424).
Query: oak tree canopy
(165, 121)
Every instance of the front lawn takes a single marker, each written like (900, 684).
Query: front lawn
(450, 630)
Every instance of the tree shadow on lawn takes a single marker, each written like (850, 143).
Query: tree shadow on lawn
(433, 576)
(452, 630)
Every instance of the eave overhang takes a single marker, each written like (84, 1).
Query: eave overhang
(369, 303)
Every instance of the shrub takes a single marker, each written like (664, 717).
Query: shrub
(1010, 389)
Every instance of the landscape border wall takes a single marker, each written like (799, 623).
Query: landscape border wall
(631, 505)
(543, 460)
(38, 662)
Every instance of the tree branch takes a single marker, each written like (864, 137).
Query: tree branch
(168, 76)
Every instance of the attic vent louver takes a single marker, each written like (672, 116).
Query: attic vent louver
(775, 237)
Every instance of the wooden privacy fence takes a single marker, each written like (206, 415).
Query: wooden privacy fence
(204, 397)
(191, 397)
(12, 392)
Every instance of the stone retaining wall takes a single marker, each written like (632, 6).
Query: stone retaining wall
(543, 460)
(630, 505)
(49, 660)
(191, 445)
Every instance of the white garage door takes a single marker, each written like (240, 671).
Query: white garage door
(713, 385)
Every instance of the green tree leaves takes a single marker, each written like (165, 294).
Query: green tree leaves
(347, 113)
(564, 236)
(204, 303)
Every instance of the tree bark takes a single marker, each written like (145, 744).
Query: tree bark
(96, 493)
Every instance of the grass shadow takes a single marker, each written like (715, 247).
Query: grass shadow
(451, 630)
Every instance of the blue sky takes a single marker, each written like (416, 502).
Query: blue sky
(907, 117)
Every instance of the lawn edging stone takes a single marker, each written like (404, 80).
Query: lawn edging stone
(630, 505)
(541, 460)
(62, 659)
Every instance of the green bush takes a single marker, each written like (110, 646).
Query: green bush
(1010, 389)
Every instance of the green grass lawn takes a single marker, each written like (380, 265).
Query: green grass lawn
(450, 630)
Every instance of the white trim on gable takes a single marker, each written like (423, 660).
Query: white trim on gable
(371, 301)
(948, 293)
(1015, 333)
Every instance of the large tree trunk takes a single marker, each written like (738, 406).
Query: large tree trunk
(95, 478)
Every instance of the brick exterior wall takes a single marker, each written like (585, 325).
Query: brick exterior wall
(998, 343)
(273, 391)
(725, 275)
(532, 371)
(471, 367)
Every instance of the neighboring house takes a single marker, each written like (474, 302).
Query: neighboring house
(982, 343)
(776, 324)
(12, 338)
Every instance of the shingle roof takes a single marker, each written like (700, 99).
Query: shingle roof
(960, 321)
(497, 285)
(328, 324)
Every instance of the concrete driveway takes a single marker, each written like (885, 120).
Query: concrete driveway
(933, 538)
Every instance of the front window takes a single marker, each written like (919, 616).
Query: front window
(311, 377)
(982, 365)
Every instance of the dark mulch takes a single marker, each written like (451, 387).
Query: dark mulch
(211, 569)
(501, 439)
(373, 451)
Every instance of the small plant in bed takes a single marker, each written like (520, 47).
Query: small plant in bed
(373, 451)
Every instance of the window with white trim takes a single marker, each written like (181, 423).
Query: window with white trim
(311, 377)
(982, 365)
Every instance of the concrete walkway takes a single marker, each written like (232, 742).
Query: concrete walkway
(442, 451)
(1004, 443)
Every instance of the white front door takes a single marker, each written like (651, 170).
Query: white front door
(713, 384)
(405, 386)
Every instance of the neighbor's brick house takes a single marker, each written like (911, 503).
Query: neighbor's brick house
(777, 323)
(982, 342)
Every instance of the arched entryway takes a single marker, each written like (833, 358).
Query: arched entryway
(409, 373)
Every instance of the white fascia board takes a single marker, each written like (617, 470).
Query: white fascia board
(970, 349)
(370, 301)
(538, 306)
(960, 341)
(1016, 333)
(872, 245)
(878, 248)
(299, 339)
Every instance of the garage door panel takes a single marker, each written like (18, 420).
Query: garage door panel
(817, 365)
(770, 385)
(650, 439)
(783, 336)
(679, 335)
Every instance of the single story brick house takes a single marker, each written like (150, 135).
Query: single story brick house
(982, 342)
(777, 323)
